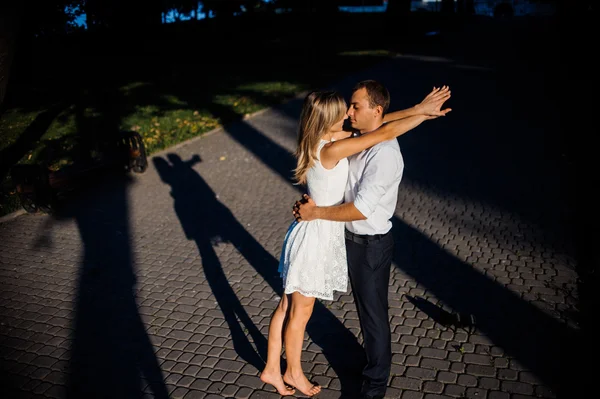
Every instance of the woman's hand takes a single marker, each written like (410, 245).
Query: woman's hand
(432, 104)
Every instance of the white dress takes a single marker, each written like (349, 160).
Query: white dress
(313, 259)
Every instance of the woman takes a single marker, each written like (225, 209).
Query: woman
(313, 261)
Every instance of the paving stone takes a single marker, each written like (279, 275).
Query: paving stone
(489, 383)
(435, 364)
(406, 383)
(506, 374)
(195, 395)
(412, 361)
(457, 368)
(179, 393)
(420, 373)
(447, 377)
(484, 371)
(455, 391)
(250, 382)
(433, 387)
(470, 358)
(517, 387)
(433, 353)
(201, 384)
(243, 393)
(467, 380)
(412, 395)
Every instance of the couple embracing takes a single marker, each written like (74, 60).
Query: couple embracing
(342, 227)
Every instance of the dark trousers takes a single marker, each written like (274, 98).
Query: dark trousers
(369, 262)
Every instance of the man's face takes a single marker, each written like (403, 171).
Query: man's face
(361, 115)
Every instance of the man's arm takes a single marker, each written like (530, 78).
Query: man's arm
(381, 172)
(304, 212)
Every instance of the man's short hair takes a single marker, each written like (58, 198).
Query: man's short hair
(377, 93)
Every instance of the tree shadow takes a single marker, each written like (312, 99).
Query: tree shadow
(535, 339)
(111, 353)
(209, 222)
(10, 155)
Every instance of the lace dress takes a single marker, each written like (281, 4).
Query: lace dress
(313, 258)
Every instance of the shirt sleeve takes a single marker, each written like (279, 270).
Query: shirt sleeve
(380, 174)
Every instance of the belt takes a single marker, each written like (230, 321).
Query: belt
(364, 239)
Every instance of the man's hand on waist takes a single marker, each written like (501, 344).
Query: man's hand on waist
(306, 209)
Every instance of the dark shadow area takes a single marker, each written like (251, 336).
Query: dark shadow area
(111, 354)
(26, 141)
(577, 24)
(208, 222)
(535, 339)
(444, 318)
(503, 145)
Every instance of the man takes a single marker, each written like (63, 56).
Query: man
(369, 204)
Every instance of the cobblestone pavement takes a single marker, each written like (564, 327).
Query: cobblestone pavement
(162, 284)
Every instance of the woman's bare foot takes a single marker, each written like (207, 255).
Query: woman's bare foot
(274, 378)
(301, 383)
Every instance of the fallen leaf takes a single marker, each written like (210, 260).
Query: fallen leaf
(222, 159)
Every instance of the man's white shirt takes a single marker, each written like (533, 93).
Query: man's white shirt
(373, 179)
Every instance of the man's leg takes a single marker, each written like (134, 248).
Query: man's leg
(369, 270)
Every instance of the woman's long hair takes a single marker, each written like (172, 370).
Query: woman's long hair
(321, 110)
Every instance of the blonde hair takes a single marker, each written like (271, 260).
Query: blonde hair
(321, 110)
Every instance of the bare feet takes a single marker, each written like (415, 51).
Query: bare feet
(276, 380)
(302, 384)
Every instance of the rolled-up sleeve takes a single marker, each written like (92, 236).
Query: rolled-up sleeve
(380, 174)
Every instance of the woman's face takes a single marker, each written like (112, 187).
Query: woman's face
(339, 125)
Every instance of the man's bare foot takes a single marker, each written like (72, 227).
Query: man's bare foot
(276, 380)
(301, 383)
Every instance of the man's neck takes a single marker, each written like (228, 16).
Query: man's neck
(376, 125)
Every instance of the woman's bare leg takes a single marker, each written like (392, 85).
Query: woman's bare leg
(301, 308)
(272, 371)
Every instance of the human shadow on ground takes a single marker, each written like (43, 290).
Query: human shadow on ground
(208, 222)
